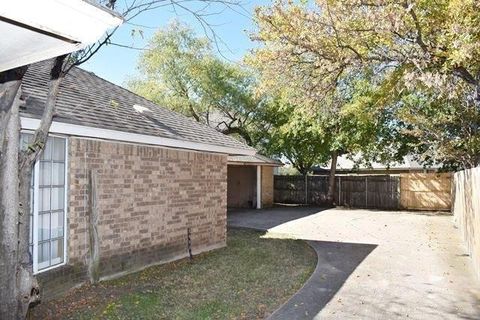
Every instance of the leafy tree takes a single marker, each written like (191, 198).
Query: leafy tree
(181, 71)
(341, 121)
(445, 131)
(420, 51)
(292, 135)
(305, 139)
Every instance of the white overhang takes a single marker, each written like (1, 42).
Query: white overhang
(255, 160)
(34, 30)
(114, 135)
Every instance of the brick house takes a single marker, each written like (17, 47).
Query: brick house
(150, 175)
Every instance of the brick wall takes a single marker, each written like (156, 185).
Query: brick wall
(147, 197)
(267, 186)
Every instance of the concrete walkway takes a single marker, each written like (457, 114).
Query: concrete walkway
(374, 264)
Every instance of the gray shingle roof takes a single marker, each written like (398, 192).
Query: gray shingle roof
(257, 159)
(88, 100)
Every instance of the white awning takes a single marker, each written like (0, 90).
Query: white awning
(35, 30)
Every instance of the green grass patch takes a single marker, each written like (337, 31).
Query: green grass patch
(248, 279)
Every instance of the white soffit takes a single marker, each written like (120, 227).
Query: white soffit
(34, 30)
(113, 135)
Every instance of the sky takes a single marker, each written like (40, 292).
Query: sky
(118, 64)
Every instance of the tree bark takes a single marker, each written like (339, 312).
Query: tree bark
(331, 179)
(26, 281)
(193, 112)
(240, 131)
(9, 214)
(477, 95)
(10, 82)
(29, 156)
(18, 286)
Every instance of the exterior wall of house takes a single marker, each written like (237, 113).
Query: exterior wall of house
(466, 210)
(267, 186)
(241, 186)
(147, 198)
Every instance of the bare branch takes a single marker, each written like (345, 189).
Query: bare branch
(135, 8)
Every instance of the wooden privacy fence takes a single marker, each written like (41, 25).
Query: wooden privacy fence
(351, 191)
(428, 191)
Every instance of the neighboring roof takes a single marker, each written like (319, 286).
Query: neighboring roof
(87, 101)
(257, 159)
(408, 163)
(37, 30)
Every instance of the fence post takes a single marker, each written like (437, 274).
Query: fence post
(366, 192)
(339, 190)
(306, 189)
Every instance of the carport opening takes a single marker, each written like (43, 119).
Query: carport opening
(241, 186)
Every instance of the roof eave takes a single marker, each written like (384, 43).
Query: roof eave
(49, 28)
(265, 164)
(121, 136)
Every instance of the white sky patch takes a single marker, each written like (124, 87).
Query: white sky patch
(139, 108)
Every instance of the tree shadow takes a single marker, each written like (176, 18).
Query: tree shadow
(420, 303)
(265, 219)
(336, 262)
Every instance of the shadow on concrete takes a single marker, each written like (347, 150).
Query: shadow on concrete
(265, 219)
(336, 262)
(439, 291)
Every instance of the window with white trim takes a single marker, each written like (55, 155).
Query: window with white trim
(48, 205)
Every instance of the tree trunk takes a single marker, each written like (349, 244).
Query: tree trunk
(25, 280)
(331, 179)
(240, 131)
(477, 94)
(15, 279)
(18, 286)
(9, 215)
(10, 82)
(193, 112)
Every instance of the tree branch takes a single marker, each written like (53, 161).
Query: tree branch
(57, 73)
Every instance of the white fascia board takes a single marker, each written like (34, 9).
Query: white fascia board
(76, 20)
(263, 164)
(114, 135)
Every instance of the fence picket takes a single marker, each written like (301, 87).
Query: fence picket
(353, 191)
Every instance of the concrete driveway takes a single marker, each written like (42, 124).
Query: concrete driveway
(374, 264)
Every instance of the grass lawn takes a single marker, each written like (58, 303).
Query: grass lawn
(248, 279)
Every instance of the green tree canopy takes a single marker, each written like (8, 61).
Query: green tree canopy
(421, 59)
(293, 135)
(180, 71)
